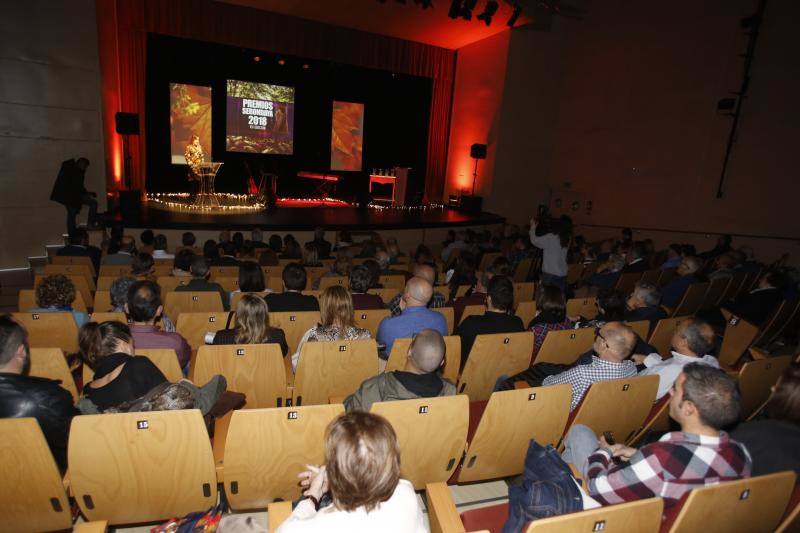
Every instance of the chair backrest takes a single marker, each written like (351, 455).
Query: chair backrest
(523, 291)
(393, 281)
(492, 356)
(275, 284)
(194, 326)
(692, 299)
(462, 290)
(27, 301)
(641, 328)
(236, 296)
(223, 272)
(449, 315)
(50, 363)
(32, 496)
(657, 420)
(333, 368)
(585, 307)
(526, 311)
(522, 270)
(783, 315)
(331, 281)
(102, 317)
(312, 274)
(75, 260)
(280, 443)
(733, 287)
(627, 281)
(574, 271)
(619, 406)
(102, 301)
(50, 330)
(229, 283)
(511, 419)
(452, 356)
(74, 269)
(738, 337)
(170, 283)
(114, 271)
(640, 515)
(165, 268)
(791, 519)
(661, 337)
(716, 290)
(81, 285)
(756, 379)
(472, 310)
(255, 370)
(386, 294)
(370, 319)
(564, 346)
(431, 433)
(166, 359)
(176, 303)
(104, 282)
(130, 468)
(487, 259)
(294, 325)
(753, 504)
(651, 276)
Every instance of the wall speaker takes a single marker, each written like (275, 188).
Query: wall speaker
(127, 123)
(477, 151)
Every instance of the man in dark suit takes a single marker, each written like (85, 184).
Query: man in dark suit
(672, 292)
(228, 255)
(79, 247)
(199, 282)
(757, 305)
(496, 319)
(635, 260)
(643, 304)
(69, 191)
(323, 246)
(291, 299)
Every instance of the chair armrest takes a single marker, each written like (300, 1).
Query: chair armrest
(95, 526)
(277, 513)
(442, 513)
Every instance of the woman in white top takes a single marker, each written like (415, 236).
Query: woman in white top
(554, 245)
(362, 474)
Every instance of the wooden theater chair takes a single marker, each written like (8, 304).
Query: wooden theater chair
(472, 310)
(452, 356)
(370, 319)
(50, 330)
(294, 325)
(756, 379)
(492, 356)
(27, 301)
(564, 346)
(50, 363)
(333, 369)
(692, 299)
(526, 311)
(194, 326)
(176, 303)
(661, 337)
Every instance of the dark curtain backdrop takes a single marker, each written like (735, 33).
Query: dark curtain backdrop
(123, 26)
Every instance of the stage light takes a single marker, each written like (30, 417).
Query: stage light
(488, 12)
(515, 15)
(466, 11)
(256, 58)
(455, 9)
(281, 61)
(306, 66)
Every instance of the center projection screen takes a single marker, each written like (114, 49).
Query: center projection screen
(260, 118)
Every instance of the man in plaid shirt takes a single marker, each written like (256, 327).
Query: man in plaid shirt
(425, 272)
(704, 399)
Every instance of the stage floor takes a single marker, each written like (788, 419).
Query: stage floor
(305, 218)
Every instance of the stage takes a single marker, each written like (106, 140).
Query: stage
(156, 216)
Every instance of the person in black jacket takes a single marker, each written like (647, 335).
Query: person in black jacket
(643, 304)
(496, 319)
(79, 247)
(26, 396)
(291, 299)
(69, 191)
(758, 304)
(252, 326)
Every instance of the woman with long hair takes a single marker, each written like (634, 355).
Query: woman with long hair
(251, 277)
(361, 475)
(551, 314)
(252, 325)
(336, 320)
(553, 238)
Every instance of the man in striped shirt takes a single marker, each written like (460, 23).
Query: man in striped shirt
(704, 399)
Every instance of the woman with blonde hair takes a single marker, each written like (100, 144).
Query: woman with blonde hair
(252, 325)
(336, 320)
(362, 476)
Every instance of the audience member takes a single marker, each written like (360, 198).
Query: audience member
(292, 251)
(311, 255)
(199, 282)
(291, 299)
(238, 242)
(251, 277)
(343, 240)
(553, 239)
(188, 241)
(462, 273)
(673, 257)
(143, 266)
(521, 249)
(23, 396)
(773, 440)
(224, 236)
(414, 318)
(228, 257)
(496, 319)
(692, 341)
(257, 239)
(643, 304)
(252, 326)
(613, 344)
(362, 474)
(704, 400)
(79, 247)
(551, 315)
(119, 375)
(276, 243)
(340, 268)
(672, 292)
(160, 248)
(359, 284)
(56, 294)
(758, 304)
(118, 294)
(144, 310)
(124, 255)
(418, 379)
(459, 242)
(723, 267)
(428, 273)
(147, 239)
(384, 261)
(182, 265)
(210, 250)
(323, 246)
(336, 321)
(722, 246)
(374, 273)
(635, 260)
(607, 273)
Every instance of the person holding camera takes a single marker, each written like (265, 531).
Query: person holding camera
(553, 237)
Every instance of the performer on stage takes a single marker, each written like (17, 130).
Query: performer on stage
(194, 158)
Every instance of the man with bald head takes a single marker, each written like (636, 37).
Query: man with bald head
(613, 344)
(428, 273)
(418, 379)
(414, 317)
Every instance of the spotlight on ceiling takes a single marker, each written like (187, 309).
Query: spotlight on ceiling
(515, 15)
(455, 9)
(488, 12)
(281, 61)
(256, 58)
(306, 66)
(466, 11)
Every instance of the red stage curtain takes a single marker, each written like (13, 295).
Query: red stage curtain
(122, 62)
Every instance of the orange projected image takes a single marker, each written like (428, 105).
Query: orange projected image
(189, 114)
(347, 136)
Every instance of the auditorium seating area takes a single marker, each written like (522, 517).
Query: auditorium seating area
(134, 468)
